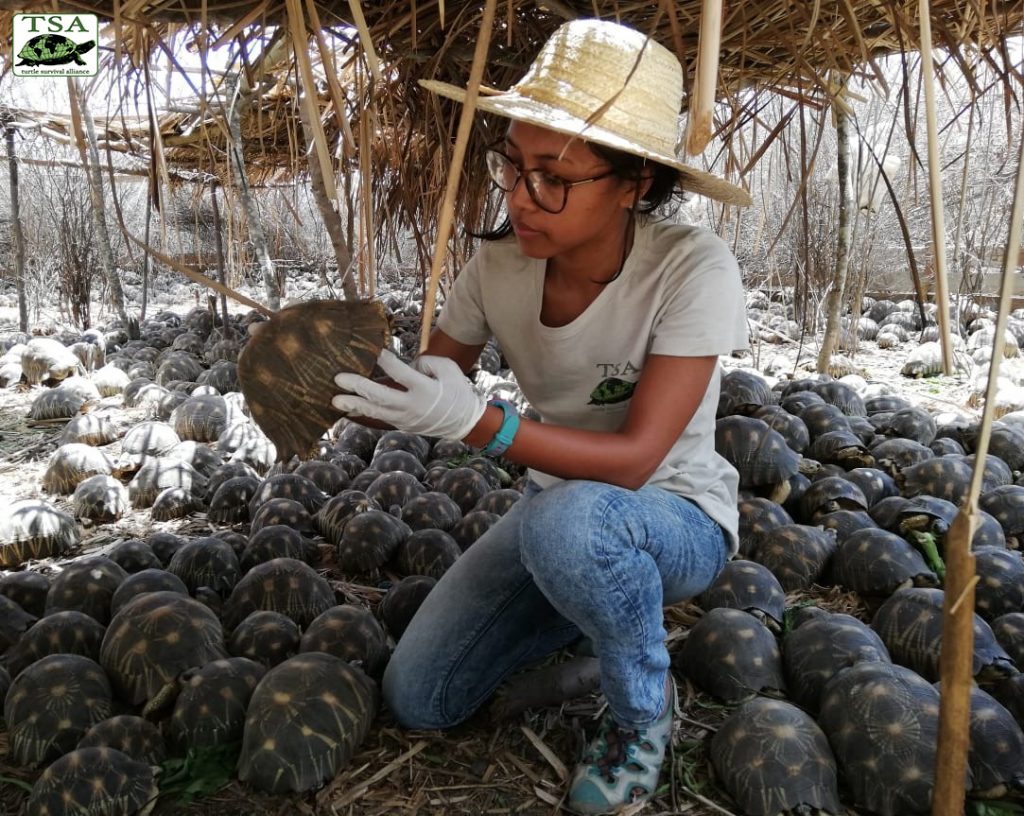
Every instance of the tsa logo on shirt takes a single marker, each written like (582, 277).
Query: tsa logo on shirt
(613, 389)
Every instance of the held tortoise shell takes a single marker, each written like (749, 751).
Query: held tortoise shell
(287, 368)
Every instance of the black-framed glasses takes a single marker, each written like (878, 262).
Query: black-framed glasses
(548, 192)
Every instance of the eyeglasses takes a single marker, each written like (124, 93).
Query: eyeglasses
(548, 192)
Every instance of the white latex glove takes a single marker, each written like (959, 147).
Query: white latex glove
(439, 400)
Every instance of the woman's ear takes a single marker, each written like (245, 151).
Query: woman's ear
(637, 190)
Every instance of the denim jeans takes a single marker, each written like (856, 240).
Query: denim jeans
(580, 557)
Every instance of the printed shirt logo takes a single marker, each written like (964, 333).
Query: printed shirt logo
(613, 389)
(56, 45)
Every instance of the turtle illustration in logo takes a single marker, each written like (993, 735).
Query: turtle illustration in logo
(53, 49)
(610, 391)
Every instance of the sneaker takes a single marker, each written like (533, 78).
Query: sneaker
(621, 766)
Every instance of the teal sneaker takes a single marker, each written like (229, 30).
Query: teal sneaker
(621, 766)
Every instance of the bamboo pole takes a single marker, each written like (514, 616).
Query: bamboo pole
(447, 213)
(702, 109)
(958, 608)
(935, 188)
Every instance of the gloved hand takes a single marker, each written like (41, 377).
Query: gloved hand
(439, 400)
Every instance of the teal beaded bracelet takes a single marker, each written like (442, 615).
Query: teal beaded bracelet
(506, 433)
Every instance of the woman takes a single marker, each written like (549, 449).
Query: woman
(612, 323)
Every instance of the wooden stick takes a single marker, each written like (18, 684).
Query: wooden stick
(935, 188)
(955, 661)
(698, 126)
(447, 213)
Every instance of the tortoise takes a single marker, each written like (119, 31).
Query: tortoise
(159, 473)
(792, 428)
(131, 735)
(1007, 442)
(210, 707)
(202, 457)
(394, 488)
(887, 403)
(402, 600)
(841, 447)
(398, 459)
(306, 718)
(287, 368)
(153, 638)
(222, 373)
(876, 562)
(891, 337)
(14, 621)
(327, 476)
(282, 511)
(57, 633)
(796, 554)
(229, 504)
(472, 526)
(53, 49)
(257, 451)
(730, 655)
(926, 361)
(942, 477)
(465, 486)
(142, 392)
(449, 450)
(758, 516)
(771, 757)
(893, 455)
(821, 645)
(336, 513)
(100, 499)
(164, 545)
(94, 780)
(152, 579)
(55, 404)
(1000, 587)
(71, 464)
(51, 704)
(351, 633)
(173, 503)
(498, 501)
(28, 589)
(797, 400)
(882, 721)
(82, 388)
(874, 484)
(208, 562)
(429, 552)
(289, 486)
(828, 494)
(843, 523)
(910, 625)
(364, 479)
(236, 435)
(281, 585)
(277, 541)
(150, 438)
(92, 429)
(400, 441)
(432, 510)
(370, 540)
(841, 395)
(1006, 503)
(751, 587)
(743, 392)
(822, 417)
(760, 455)
(178, 365)
(86, 585)
(996, 472)
(45, 359)
(996, 747)
(912, 423)
(228, 470)
(265, 636)
(496, 477)
(1009, 631)
(348, 462)
(359, 440)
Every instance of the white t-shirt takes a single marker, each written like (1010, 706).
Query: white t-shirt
(679, 294)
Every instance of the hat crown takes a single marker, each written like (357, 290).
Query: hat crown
(587, 64)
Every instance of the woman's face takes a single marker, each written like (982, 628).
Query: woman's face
(595, 213)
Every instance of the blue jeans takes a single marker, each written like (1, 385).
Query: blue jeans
(580, 557)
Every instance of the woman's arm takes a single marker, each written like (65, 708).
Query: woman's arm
(667, 395)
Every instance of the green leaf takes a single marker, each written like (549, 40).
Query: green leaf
(18, 783)
(200, 772)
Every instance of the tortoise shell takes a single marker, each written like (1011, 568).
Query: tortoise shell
(913, 423)
(289, 486)
(400, 441)
(27, 589)
(796, 554)
(229, 470)
(472, 526)
(351, 633)
(229, 503)
(791, 427)
(431, 510)
(751, 587)
(449, 449)
(257, 451)
(266, 637)
(152, 579)
(395, 488)
(820, 647)
(277, 541)
(820, 418)
(370, 540)
(306, 718)
(202, 457)
(1009, 631)
(882, 722)
(758, 517)
(874, 484)
(174, 503)
(149, 438)
(398, 459)
(996, 746)
(287, 368)
(131, 735)
(894, 455)
(57, 633)
(359, 440)
(337, 512)
(164, 545)
(94, 780)
(51, 704)
(159, 473)
(402, 601)
(841, 395)
(743, 392)
(876, 562)
(327, 476)
(427, 552)
(465, 485)
(73, 463)
(759, 454)
(281, 585)
(86, 585)
(773, 758)
(498, 501)
(730, 655)
(210, 708)
(153, 638)
(282, 511)
(55, 404)
(828, 494)
(14, 621)
(100, 499)
(1006, 503)
(1000, 587)
(207, 562)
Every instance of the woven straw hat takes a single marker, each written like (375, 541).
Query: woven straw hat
(587, 65)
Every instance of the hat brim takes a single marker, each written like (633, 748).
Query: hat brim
(523, 109)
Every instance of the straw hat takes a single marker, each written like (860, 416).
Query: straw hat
(587, 64)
